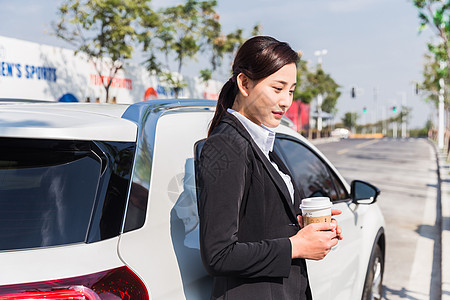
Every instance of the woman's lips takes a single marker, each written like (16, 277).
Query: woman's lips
(278, 114)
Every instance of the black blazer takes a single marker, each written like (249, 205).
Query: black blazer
(246, 219)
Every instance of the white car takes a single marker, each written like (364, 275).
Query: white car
(342, 133)
(98, 201)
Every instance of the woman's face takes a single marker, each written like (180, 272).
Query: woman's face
(266, 101)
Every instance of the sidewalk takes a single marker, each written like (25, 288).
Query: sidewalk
(324, 140)
(444, 171)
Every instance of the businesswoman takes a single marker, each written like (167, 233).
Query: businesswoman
(250, 237)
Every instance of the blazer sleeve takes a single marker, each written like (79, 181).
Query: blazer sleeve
(221, 179)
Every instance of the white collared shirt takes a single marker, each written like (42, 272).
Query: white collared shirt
(264, 137)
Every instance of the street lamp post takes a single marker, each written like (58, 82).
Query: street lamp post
(441, 115)
(403, 95)
(442, 65)
(319, 54)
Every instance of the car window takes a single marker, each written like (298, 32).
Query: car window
(310, 173)
(55, 192)
(342, 192)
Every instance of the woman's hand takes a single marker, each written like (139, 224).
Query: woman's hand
(335, 212)
(316, 240)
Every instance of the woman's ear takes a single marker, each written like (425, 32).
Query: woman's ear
(243, 83)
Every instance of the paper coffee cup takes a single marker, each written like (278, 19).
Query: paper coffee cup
(316, 210)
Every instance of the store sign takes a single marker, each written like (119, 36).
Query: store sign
(25, 71)
(121, 83)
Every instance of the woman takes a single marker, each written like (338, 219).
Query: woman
(250, 238)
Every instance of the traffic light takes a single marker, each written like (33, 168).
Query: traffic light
(394, 108)
(364, 109)
(353, 93)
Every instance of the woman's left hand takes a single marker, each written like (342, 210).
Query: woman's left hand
(338, 229)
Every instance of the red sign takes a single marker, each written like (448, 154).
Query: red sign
(121, 83)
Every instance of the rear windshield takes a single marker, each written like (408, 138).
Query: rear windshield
(61, 192)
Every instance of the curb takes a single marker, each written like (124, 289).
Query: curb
(443, 218)
(324, 140)
(444, 183)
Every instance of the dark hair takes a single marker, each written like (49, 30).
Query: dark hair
(257, 58)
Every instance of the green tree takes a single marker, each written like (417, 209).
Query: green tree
(435, 14)
(312, 83)
(349, 119)
(403, 115)
(104, 30)
(220, 46)
(432, 74)
(182, 32)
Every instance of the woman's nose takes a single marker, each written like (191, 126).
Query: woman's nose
(285, 100)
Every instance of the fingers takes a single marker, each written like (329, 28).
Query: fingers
(335, 212)
(335, 231)
(314, 241)
(338, 230)
(323, 226)
(300, 220)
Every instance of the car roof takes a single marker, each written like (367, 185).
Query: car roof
(102, 122)
(54, 120)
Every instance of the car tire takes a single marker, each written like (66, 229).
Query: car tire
(373, 285)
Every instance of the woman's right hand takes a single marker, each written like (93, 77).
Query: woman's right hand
(314, 241)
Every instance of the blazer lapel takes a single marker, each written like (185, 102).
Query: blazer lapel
(273, 156)
(298, 192)
(276, 177)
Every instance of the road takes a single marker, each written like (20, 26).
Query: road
(405, 170)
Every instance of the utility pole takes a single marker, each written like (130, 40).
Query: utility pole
(319, 112)
(441, 129)
(319, 54)
(394, 130)
(375, 95)
(441, 115)
(403, 94)
(394, 125)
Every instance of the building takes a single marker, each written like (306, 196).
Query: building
(34, 71)
(299, 114)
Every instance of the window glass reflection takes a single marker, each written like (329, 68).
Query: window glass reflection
(310, 173)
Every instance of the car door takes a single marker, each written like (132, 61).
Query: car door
(332, 277)
(165, 252)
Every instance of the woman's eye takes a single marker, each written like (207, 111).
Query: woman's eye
(278, 89)
(291, 92)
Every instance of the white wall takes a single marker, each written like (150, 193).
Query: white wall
(33, 71)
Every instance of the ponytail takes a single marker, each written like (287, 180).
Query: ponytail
(226, 100)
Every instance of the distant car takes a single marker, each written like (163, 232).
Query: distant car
(98, 201)
(342, 133)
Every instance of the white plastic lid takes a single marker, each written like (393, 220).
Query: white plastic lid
(316, 203)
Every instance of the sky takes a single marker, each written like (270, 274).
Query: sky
(372, 45)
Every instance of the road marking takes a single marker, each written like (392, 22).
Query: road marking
(422, 266)
(366, 144)
(342, 151)
(359, 146)
(422, 285)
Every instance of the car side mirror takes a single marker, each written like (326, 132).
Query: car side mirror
(363, 192)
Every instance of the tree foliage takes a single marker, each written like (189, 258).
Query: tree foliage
(312, 83)
(435, 14)
(105, 30)
(183, 32)
(349, 119)
(432, 73)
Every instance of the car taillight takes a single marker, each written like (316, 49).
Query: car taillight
(120, 283)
